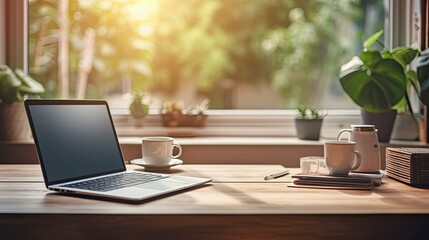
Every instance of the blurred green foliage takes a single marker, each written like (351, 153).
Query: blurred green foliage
(295, 46)
(123, 48)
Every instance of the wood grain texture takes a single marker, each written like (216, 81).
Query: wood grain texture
(218, 173)
(236, 205)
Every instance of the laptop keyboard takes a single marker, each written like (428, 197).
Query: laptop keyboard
(113, 182)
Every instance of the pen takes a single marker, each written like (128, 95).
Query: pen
(276, 175)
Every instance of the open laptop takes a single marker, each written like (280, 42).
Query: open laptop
(79, 153)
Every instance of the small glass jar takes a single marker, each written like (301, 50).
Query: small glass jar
(312, 164)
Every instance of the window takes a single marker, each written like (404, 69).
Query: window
(217, 67)
(239, 54)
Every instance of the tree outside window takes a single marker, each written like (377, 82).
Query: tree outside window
(240, 54)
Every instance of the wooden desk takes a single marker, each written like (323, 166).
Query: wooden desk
(238, 204)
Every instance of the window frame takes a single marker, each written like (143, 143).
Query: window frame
(16, 33)
(221, 122)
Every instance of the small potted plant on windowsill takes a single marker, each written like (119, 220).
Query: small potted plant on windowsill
(309, 122)
(15, 87)
(138, 108)
(171, 113)
(177, 114)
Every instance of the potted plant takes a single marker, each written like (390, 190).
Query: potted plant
(171, 113)
(177, 114)
(15, 86)
(309, 122)
(138, 109)
(378, 81)
(195, 115)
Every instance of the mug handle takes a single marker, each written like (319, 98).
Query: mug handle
(343, 131)
(356, 161)
(180, 150)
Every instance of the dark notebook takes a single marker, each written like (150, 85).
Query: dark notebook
(351, 181)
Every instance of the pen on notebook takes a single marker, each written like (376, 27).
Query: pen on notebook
(276, 175)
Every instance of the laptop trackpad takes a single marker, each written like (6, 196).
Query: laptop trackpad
(161, 185)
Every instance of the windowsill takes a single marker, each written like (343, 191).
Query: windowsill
(236, 123)
(238, 141)
(230, 137)
(211, 150)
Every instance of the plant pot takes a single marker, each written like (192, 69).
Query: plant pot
(171, 119)
(138, 122)
(383, 122)
(308, 129)
(13, 122)
(180, 120)
(405, 128)
(198, 120)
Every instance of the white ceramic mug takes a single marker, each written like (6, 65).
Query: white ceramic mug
(341, 157)
(159, 150)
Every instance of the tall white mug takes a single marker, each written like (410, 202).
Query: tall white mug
(159, 150)
(341, 157)
(366, 140)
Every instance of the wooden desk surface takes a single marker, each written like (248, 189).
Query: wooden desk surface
(237, 204)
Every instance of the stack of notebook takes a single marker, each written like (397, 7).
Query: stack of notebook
(358, 181)
(409, 165)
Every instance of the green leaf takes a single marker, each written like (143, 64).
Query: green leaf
(9, 85)
(29, 85)
(404, 55)
(412, 80)
(372, 39)
(386, 54)
(376, 87)
(370, 57)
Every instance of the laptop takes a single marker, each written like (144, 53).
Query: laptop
(79, 153)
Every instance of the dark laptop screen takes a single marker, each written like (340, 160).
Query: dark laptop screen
(75, 141)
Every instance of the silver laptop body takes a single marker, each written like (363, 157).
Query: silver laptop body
(79, 153)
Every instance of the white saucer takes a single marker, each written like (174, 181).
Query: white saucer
(157, 167)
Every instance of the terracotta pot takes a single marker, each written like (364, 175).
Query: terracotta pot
(13, 122)
(170, 119)
(180, 120)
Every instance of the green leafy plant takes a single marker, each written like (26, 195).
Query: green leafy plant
(307, 112)
(138, 108)
(16, 85)
(378, 80)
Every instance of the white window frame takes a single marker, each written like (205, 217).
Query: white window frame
(220, 122)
